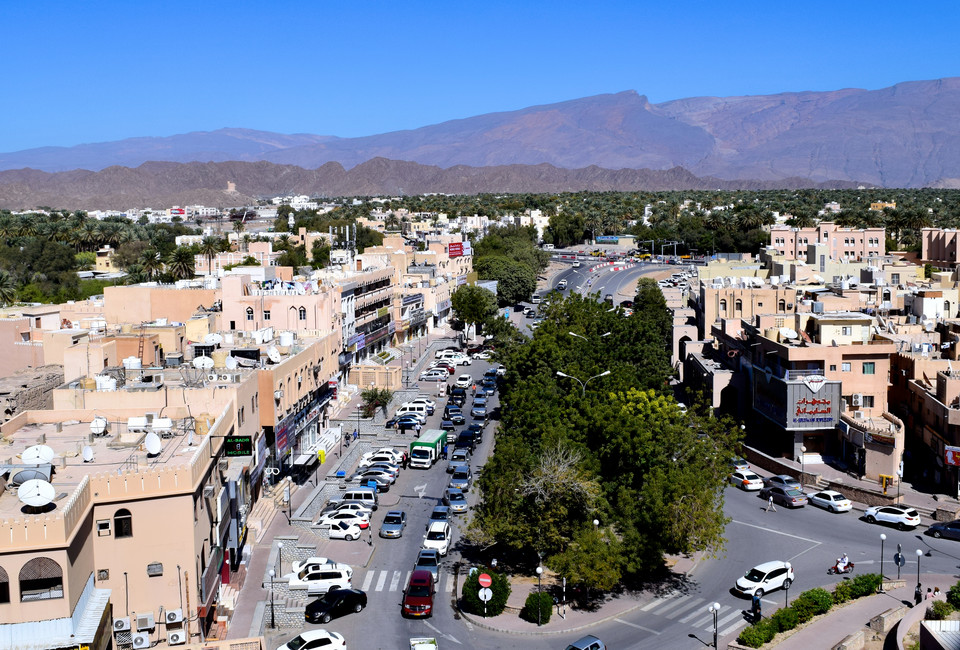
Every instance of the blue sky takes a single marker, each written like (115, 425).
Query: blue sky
(76, 72)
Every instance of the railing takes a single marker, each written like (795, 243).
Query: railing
(797, 373)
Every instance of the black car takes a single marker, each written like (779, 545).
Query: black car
(466, 440)
(404, 422)
(447, 425)
(476, 430)
(457, 418)
(334, 603)
(458, 396)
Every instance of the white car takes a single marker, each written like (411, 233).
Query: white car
(764, 578)
(434, 375)
(367, 461)
(344, 530)
(314, 640)
(321, 577)
(902, 516)
(438, 537)
(426, 401)
(746, 480)
(358, 519)
(353, 506)
(397, 455)
(464, 381)
(297, 567)
(461, 360)
(482, 356)
(501, 371)
(831, 500)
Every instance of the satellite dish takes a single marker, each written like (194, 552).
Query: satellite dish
(231, 363)
(99, 425)
(203, 363)
(213, 339)
(88, 454)
(25, 475)
(38, 454)
(36, 493)
(274, 355)
(153, 444)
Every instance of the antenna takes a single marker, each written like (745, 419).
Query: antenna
(190, 438)
(87, 454)
(98, 426)
(213, 339)
(38, 454)
(36, 493)
(203, 363)
(152, 444)
(231, 363)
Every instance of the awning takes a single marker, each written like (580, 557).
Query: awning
(305, 459)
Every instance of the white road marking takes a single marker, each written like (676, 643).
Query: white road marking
(634, 625)
(680, 610)
(778, 532)
(395, 582)
(657, 601)
(367, 579)
(729, 617)
(381, 581)
(671, 605)
(692, 615)
(449, 586)
(420, 489)
(733, 628)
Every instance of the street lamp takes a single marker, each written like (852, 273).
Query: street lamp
(919, 555)
(596, 524)
(539, 591)
(883, 538)
(359, 407)
(803, 452)
(273, 620)
(715, 610)
(786, 586)
(279, 557)
(583, 384)
(581, 336)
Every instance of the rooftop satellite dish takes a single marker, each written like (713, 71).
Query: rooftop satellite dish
(98, 426)
(203, 363)
(788, 333)
(152, 444)
(213, 339)
(25, 475)
(231, 363)
(274, 355)
(38, 454)
(36, 493)
(87, 454)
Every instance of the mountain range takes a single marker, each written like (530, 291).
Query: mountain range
(902, 136)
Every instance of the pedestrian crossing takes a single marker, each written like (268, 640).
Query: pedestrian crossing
(388, 580)
(692, 611)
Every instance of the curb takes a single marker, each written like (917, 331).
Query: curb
(470, 619)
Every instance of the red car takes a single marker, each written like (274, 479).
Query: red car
(418, 596)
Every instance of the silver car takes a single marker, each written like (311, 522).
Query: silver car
(393, 524)
(455, 499)
(461, 478)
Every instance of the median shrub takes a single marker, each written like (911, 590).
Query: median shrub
(542, 601)
(758, 633)
(785, 619)
(866, 584)
(843, 592)
(938, 610)
(470, 601)
(953, 596)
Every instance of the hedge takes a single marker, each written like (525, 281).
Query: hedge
(470, 601)
(938, 610)
(545, 602)
(953, 596)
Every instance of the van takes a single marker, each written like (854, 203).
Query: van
(364, 495)
(535, 299)
(413, 409)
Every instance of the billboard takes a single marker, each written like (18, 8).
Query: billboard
(455, 249)
(807, 402)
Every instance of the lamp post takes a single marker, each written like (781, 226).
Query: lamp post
(359, 407)
(786, 586)
(919, 555)
(273, 620)
(803, 452)
(279, 558)
(715, 610)
(539, 591)
(583, 384)
(883, 538)
(596, 524)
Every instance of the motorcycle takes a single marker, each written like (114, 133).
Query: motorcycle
(835, 569)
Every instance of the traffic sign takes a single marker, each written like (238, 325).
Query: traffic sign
(485, 594)
(485, 580)
(899, 559)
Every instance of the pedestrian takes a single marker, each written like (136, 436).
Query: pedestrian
(404, 461)
(755, 608)
(929, 594)
(918, 594)
(936, 592)
(474, 389)
(770, 505)
(417, 428)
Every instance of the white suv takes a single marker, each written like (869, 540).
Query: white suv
(765, 577)
(320, 578)
(438, 537)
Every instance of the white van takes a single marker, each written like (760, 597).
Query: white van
(414, 409)
(535, 299)
(364, 495)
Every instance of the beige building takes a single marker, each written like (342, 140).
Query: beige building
(939, 247)
(838, 243)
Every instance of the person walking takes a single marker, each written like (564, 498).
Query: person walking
(417, 429)
(929, 594)
(755, 608)
(404, 461)
(770, 505)
(918, 594)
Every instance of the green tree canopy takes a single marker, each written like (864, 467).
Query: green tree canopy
(473, 305)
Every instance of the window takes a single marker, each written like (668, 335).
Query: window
(782, 305)
(869, 368)
(103, 527)
(303, 313)
(4, 587)
(249, 313)
(155, 569)
(894, 278)
(41, 579)
(723, 305)
(867, 401)
(846, 331)
(123, 523)
(738, 305)
(845, 366)
(833, 367)
(266, 314)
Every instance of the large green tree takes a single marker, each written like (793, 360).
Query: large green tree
(516, 281)
(473, 305)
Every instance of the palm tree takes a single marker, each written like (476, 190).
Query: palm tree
(180, 263)
(150, 263)
(209, 247)
(8, 288)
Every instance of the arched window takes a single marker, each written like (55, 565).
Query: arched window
(249, 313)
(41, 579)
(303, 313)
(123, 523)
(4, 587)
(738, 305)
(782, 306)
(723, 306)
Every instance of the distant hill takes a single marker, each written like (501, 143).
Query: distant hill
(903, 136)
(158, 184)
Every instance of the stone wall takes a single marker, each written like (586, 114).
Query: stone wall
(30, 389)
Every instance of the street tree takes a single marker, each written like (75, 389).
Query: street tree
(473, 305)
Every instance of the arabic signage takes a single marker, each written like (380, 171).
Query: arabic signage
(810, 402)
(608, 239)
(412, 299)
(455, 249)
(951, 455)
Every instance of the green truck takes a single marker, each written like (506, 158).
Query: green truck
(425, 450)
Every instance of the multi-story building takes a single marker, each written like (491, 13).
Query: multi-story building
(939, 247)
(838, 243)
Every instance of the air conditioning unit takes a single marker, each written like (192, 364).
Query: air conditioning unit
(856, 399)
(173, 616)
(207, 491)
(121, 624)
(145, 622)
(858, 415)
(176, 637)
(141, 640)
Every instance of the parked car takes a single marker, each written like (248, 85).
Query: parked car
(501, 370)
(947, 529)
(418, 595)
(784, 481)
(464, 381)
(483, 356)
(312, 639)
(383, 479)
(397, 454)
(393, 524)
(376, 459)
(438, 537)
(360, 519)
(831, 500)
(764, 578)
(789, 497)
(901, 516)
(459, 458)
(428, 559)
(317, 562)
(455, 499)
(739, 465)
(588, 642)
(426, 401)
(388, 468)
(461, 478)
(320, 578)
(439, 513)
(406, 422)
(434, 375)
(335, 603)
(345, 530)
(352, 506)
(746, 480)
